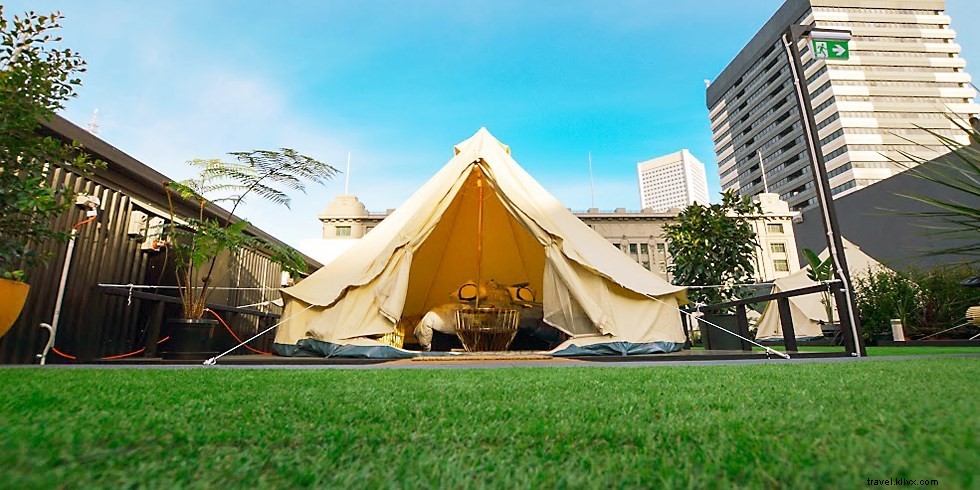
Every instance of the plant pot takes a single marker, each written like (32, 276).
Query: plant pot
(190, 339)
(716, 339)
(14, 294)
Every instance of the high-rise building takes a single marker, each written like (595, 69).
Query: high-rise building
(904, 73)
(672, 181)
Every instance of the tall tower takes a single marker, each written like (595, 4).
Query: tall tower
(904, 73)
(672, 181)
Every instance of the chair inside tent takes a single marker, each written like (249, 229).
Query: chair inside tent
(480, 257)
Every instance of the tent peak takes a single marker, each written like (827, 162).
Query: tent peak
(480, 139)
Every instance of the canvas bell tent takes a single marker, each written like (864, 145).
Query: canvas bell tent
(808, 310)
(481, 216)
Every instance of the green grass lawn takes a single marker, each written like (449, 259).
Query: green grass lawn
(875, 351)
(767, 425)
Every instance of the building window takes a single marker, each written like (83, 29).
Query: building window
(774, 227)
(342, 231)
(661, 248)
(781, 265)
(632, 248)
(779, 248)
(644, 249)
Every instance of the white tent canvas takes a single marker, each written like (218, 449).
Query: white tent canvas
(808, 310)
(423, 251)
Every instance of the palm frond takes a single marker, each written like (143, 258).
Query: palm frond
(958, 171)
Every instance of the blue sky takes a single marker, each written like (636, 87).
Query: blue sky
(398, 83)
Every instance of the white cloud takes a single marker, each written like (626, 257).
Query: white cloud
(207, 113)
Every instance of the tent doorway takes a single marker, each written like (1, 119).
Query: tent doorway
(456, 251)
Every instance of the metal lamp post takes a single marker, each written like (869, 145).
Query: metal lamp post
(827, 44)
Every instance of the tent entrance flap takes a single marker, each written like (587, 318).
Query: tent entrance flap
(450, 256)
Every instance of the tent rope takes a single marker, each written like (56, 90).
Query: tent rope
(150, 286)
(214, 360)
(772, 283)
(719, 327)
(721, 286)
(944, 331)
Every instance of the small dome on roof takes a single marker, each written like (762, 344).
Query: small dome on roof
(345, 205)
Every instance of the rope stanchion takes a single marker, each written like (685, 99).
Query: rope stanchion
(214, 360)
(228, 328)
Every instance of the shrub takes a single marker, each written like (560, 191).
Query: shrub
(927, 302)
(945, 300)
(37, 78)
(883, 295)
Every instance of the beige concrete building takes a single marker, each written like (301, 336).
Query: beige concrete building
(638, 234)
(672, 181)
(347, 217)
(904, 71)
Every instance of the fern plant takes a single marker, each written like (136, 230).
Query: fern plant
(956, 219)
(198, 242)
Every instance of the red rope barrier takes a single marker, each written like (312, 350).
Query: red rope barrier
(235, 336)
(120, 356)
(62, 354)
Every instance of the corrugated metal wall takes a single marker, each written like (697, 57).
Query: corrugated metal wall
(94, 324)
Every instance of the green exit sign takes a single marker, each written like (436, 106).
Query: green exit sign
(830, 49)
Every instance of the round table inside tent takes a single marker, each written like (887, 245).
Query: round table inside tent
(486, 329)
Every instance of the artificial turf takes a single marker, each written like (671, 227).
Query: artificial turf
(897, 350)
(829, 425)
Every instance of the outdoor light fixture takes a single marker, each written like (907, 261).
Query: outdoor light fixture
(840, 35)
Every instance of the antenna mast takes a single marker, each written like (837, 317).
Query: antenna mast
(93, 125)
(762, 165)
(591, 181)
(347, 175)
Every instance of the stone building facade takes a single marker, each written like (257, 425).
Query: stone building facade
(638, 234)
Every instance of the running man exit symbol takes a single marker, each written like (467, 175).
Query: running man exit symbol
(830, 49)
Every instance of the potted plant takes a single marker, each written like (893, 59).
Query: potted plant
(714, 245)
(36, 79)
(198, 242)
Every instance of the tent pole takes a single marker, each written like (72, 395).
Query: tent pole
(479, 234)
